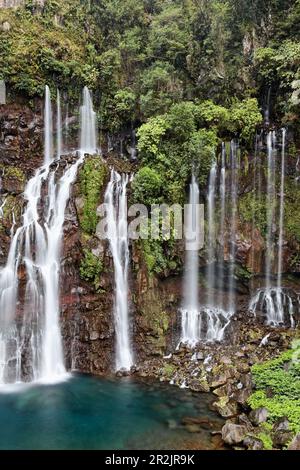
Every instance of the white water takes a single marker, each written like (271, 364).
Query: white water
(190, 313)
(232, 228)
(271, 204)
(58, 126)
(211, 235)
(222, 224)
(274, 301)
(281, 212)
(88, 139)
(117, 232)
(48, 128)
(30, 340)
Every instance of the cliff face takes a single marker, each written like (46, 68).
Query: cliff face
(87, 306)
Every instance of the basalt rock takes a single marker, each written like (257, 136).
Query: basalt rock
(233, 433)
(258, 416)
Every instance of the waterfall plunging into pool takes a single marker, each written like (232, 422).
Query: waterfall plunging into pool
(117, 232)
(30, 338)
(274, 300)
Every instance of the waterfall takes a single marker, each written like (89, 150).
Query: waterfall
(190, 313)
(222, 223)
(48, 128)
(215, 318)
(58, 125)
(30, 339)
(271, 141)
(88, 139)
(211, 235)
(117, 231)
(281, 212)
(274, 300)
(232, 227)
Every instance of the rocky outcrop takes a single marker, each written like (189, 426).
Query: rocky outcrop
(21, 137)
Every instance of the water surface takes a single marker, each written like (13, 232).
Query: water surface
(90, 413)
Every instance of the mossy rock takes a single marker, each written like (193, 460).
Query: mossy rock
(92, 177)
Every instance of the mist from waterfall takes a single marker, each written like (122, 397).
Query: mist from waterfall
(30, 339)
(115, 200)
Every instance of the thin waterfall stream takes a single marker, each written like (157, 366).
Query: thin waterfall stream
(117, 232)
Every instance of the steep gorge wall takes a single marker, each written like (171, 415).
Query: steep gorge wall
(87, 306)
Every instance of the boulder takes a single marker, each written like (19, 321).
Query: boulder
(281, 434)
(258, 416)
(253, 443)
(281, 424)
(295, 444)
(233, 433)
(244, 421)
(225, 408)
(282, 438)
(199, 385)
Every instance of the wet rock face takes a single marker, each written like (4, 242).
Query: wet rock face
(21, 136)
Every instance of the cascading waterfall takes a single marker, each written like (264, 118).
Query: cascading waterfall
(58, 126)
(190, 312)
(88, 139)
(232, 228)
(275, 301)
(271, 201)
(211, 235)
(48, 128)
(208, 322)
(214, 316)
(281, 212)
(222, 223)
(30, 340)
(117, 232)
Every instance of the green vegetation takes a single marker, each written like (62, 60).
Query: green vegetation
(90, 267)
(147, 187)
(253, 208)
(277, 384)
(12, 172)
(266, 440)
(92, 178)
(292, 216)
(174, 144)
